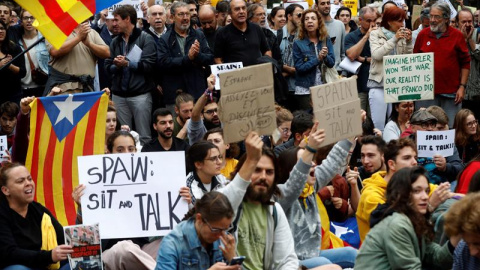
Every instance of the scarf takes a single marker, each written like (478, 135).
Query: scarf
(307, 191)
(49, 238)
(389, 34)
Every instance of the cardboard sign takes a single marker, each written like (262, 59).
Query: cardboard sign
(136, 4)
(3, 147)
(408, 77)
(133, 195)
(336, 107)
(222, 68)
(417, 9)
(431, 143)
(352, 5)
(247, 102)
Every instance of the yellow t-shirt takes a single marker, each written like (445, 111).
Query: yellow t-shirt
(230, 164)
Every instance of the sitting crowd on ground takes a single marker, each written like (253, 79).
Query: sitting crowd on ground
(274, 200)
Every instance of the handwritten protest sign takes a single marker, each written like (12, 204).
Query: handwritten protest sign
(352, 5)
(133, 195)
(430, 143)
(135, 3)
(247, 102)
(336, 107)
(408, 77)
(3, 146)
(222, 68)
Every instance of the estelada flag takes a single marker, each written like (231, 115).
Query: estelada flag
(56, 19)
(61, 129)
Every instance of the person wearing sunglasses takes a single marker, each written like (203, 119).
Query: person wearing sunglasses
(201, 241)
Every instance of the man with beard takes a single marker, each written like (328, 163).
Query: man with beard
(240, 41)
(183, 56)
(206, 108)
(192, 8)
(208, 22)
(183, 110)
(156, 17)
(165, 141)
(336, 31)
(452, 60)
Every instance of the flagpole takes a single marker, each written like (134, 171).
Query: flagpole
(22, 53)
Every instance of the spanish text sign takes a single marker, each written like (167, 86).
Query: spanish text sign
(133, 195)
(336, 107)
(247, 102)
(431, 143)
(408, 77)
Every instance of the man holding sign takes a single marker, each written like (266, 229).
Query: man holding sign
(440, 168)
(452, 60)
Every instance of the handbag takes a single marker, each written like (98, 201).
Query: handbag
(329, 74)
(38, 75)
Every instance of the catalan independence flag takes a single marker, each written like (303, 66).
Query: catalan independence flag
(61, 129)
(56, 19)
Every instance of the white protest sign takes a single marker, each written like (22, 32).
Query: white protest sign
(399, 3)
(133, 195)
(431, 143)
(333, 10)
(3, 146)
(408, 77)
(336, 107)
(247, 102)
(453, 12)
(222, 68)
(135, 3)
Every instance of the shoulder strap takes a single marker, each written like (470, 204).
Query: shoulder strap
(32, 66)
(275, 217)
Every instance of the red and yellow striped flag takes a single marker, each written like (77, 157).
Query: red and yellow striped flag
(56, 19)
(61, 129)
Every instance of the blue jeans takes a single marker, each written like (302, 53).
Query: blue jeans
(446, 103)
(345, 257)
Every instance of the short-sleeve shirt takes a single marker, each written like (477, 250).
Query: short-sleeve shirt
(79, 61)
(252, 234)
(351, 39)
(233, 45)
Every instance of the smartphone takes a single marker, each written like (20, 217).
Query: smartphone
(237, 260)
(332, 39)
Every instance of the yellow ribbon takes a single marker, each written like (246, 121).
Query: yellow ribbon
(307, 191)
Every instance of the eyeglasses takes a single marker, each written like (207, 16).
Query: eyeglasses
(217, 230)
(211, 111)
(436, 17)
(286, 131)
(183, 15)
(472, 123)
(427, 124)
(299, 15)
(215, 158)
(28, 18)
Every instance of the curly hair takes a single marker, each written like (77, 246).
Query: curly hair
(399, 196)
(464, 216)
(321, 30)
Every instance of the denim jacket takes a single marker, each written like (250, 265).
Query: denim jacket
(306, 60)
(181, 249)
(42, 54)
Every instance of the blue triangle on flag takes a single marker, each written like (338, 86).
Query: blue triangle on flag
(66, 111)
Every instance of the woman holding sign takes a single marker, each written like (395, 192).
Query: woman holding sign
(392, 38)
(312, 49)
(30, 236)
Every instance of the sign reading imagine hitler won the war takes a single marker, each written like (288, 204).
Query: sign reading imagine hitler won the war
(336, 107)
(133, 195)
(247, 102)
(408, 77)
